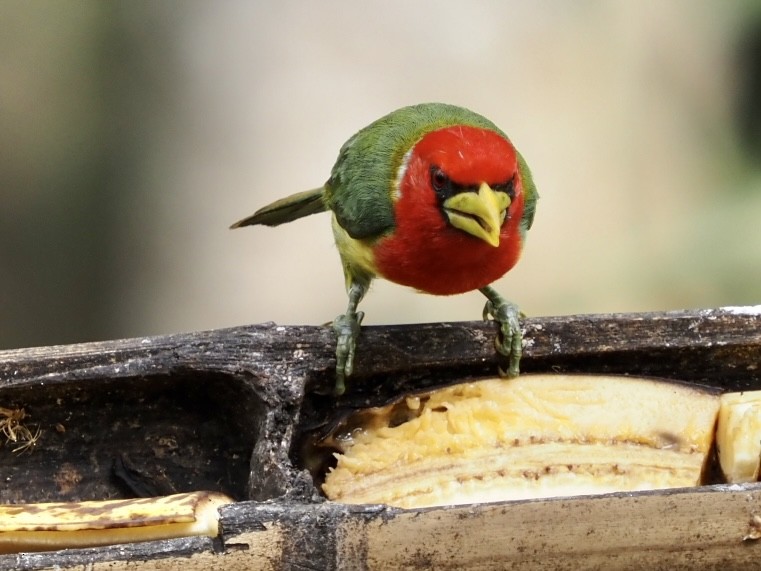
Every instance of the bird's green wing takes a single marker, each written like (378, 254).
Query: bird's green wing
(531, 195)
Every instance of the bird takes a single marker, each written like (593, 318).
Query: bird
(431, 196)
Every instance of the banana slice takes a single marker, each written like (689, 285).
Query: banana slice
(738, 436)
(50, 526)
(530, 437)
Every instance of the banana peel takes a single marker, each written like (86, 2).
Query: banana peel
(50, 526)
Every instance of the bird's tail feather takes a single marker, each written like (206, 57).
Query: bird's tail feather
(287, 209)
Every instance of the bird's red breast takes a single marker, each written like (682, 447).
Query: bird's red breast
(425, 251)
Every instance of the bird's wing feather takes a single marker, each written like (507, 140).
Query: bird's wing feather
(531, 195)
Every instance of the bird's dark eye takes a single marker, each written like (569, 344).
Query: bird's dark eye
(506, 187)
(439, 180)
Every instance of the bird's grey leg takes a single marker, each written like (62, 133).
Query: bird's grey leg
(509, 339)
(347, 327)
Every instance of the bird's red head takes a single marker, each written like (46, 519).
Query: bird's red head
(458, 206)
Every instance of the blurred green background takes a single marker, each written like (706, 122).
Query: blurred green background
(133, 133)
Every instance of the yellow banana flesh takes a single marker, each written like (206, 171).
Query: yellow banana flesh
(534, 436)
(738, 436)
(49, 526)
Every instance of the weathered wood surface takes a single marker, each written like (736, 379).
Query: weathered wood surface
(224, 410)
(662, 344)
(702, 528)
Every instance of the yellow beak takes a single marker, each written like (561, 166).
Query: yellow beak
(480, 214)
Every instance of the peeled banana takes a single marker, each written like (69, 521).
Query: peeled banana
(534, 436)
(738, 436)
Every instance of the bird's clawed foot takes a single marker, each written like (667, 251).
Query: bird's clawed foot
(347, 327)
(509, 340)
